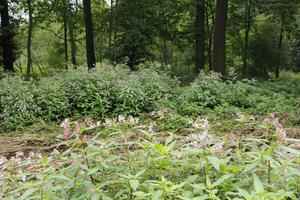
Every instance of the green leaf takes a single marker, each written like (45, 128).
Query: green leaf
(243, 193)
(28, 193)
(215, 162)
(250, 167)
(134, 184)
(156, 195)
(222, 179)
(162, 149)
(197, 188)
(63, 178)
(258, 186)
(292, 151)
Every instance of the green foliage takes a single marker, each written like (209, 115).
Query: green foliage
(109, 93)
(74, 94)
(139, 163)
(211, 94)
(17, 103)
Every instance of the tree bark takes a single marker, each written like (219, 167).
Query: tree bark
(65, 19)
(277, 70)
(73, 45)
(29, 40)
(248, 4)
(200, 36)
(219, 52)
(110, 26)
(210, 31)
(88, 21)
(7, 37)
(72, 37)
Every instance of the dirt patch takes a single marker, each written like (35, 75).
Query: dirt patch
(38, 138)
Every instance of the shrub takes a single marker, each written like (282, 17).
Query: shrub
(51, 98)
(18, 107)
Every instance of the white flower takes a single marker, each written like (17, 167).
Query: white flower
(121, 119)
(65, 123)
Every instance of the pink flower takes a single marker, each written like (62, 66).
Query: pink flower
(31, 168)
(73, 162)
(151, 127)
(155, 140)
(89, 122)
(231, 137)
(280, 129)
(101, 146)
(240, 116)
(20, 171)
(189, 138)
(78, 127)
(217, 149)
(97, 159)
(67, 133)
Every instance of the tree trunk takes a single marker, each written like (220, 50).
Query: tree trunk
(110, 26)
(219, 52)
(200, 36)
(88, 21)
(210, 31)
(73, 45)
(248, 4)
(7, 44)
(29, 40)
(277, 70)
(72, 37)
(65, 19)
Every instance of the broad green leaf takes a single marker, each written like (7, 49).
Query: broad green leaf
(215, 162)
(156, 195)
(28, 193)
(134, 184)
(258, 186)
(243, 193)
(292, 151)
(222, 179)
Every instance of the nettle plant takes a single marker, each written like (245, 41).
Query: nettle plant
(127, 158)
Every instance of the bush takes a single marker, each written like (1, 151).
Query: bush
(76, 94)
(108, 93)
(209, 93)
(18, 107)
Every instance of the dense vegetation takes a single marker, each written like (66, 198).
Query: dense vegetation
(143, 136)
(150, 99)
(109, 93)
(126, 158)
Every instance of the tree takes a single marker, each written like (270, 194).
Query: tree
(136, 31)
(219, 52)
(88, 21)
(29, 39)
(6, 37)
(200, 36)
(247, 23)
(210, 23)
(65, 22)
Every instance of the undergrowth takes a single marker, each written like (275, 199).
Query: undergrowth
(108, 93)
(125, 158)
